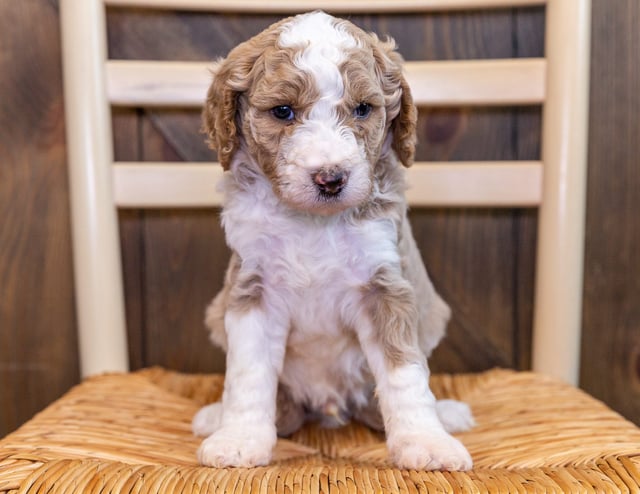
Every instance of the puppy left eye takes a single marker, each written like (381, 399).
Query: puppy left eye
(362, 110)
(283, 112)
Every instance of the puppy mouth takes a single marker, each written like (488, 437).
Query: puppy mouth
(324, 191)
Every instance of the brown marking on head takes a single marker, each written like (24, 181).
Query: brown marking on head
(232, 77)
(384, 64)
(280, 84)
(361, 86)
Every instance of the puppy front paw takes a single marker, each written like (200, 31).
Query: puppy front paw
(240, 446)
(207, 420)
(428, 450)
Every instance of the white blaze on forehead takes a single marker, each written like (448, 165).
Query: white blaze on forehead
(324, 43)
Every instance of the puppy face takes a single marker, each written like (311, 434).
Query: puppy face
(315, 101)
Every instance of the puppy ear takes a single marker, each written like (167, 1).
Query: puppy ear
(401, 111)
(230, 78)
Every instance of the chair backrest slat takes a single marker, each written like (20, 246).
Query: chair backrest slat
(436, 83)
(467, 184)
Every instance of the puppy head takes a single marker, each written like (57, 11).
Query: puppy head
(315, 101)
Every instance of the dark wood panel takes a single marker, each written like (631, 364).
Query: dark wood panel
(611, 349)
(470, 257)
(38, 359)
(185, 257)
(127, 139)
(184, 266)
(185, 35)
(463, 249)
(448, 35)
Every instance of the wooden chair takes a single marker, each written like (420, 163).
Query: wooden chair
(560, 82)
(126, 432)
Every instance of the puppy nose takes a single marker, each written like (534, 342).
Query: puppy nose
(330, 182)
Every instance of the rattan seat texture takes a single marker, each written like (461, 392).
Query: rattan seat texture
(131, 433)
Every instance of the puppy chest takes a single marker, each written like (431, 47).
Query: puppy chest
(324, 363)
(325, 258)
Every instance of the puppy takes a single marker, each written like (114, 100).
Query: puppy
(327, 310)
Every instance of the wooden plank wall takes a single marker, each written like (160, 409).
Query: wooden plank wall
(611, 315)
(481, 260)
(179, 256)
(38, 356)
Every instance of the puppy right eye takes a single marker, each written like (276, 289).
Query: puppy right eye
(283, 112)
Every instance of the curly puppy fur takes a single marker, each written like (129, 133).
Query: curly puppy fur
(327, 311)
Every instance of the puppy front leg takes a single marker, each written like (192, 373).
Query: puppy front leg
(247, 433)
(416, 439)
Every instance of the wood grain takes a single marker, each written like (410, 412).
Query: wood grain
(611, 321)
(127, 144)
(501, 82)
(185, 261)
(38, 349)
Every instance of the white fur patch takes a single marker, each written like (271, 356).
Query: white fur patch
(323, 37)
(324, 43)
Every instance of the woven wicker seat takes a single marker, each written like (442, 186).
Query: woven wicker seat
(131, 433)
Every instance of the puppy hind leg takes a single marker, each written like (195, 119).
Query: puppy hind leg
(370, 414)
(207, 420)
(455, 415)
(290, 416)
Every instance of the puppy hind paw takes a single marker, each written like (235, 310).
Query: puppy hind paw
(207, 420)
(290, 416)
(370, 414)
(454, 415)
